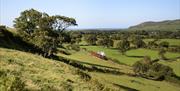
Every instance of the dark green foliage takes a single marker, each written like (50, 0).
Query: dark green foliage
(75, 37)
(42, 30)
(138, 42)
(152, 44)
(164, 44)
(91, 39)
(152, 70)
(105, 42)
(13, 41)
(123, 46)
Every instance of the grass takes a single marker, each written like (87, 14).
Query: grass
(124, 80)
(137, 83)
(171, 41)
(86, 58)
(132, 55)
(174, 64)
(39, 73)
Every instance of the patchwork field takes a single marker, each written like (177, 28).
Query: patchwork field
(171, 41)
(125, 80)
(131, 56)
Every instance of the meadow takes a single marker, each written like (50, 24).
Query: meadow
(131, 56)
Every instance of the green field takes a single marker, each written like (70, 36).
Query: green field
(171, 41)
(124, 80)
(138, 83)
(38, 72)
(85, 57)
(131, 56)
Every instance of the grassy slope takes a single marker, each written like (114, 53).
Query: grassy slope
(87, 58)
(123, 80)
(38, 72)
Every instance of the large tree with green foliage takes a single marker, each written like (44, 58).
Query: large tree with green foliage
(42, 30)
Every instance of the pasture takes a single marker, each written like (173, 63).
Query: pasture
(131, 56)
(172, 42)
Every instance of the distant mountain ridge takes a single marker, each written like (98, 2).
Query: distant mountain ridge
(167, 25)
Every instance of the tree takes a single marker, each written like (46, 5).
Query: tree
(75, 37)
(152, 70)
(152, 44)
(123, 46)
(27, 23)
(42, 30)
(161, 53)
(105, 42)
(91, 39)
(138, 42)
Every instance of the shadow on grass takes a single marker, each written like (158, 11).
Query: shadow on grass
(11, 41)
(135, 56)
(90, 67)
(124, 87)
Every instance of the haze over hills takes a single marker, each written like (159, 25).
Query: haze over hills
(167, 25)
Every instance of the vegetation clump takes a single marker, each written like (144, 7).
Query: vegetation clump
(42, 30)
(152, 70)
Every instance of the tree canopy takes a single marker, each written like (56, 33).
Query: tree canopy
(42, 30)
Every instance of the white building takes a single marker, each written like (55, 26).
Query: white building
(101, 53)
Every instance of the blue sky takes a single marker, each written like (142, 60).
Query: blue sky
(96, 13)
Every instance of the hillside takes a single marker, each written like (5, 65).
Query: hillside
(21, 70)
(24, 71)
(168, 25)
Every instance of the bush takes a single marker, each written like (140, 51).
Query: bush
(152, 70)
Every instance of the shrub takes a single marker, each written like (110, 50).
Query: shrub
(152, 70)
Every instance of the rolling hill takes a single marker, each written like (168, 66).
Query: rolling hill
(24, 71)
(168, 25)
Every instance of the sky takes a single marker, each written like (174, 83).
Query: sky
(95, 13)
